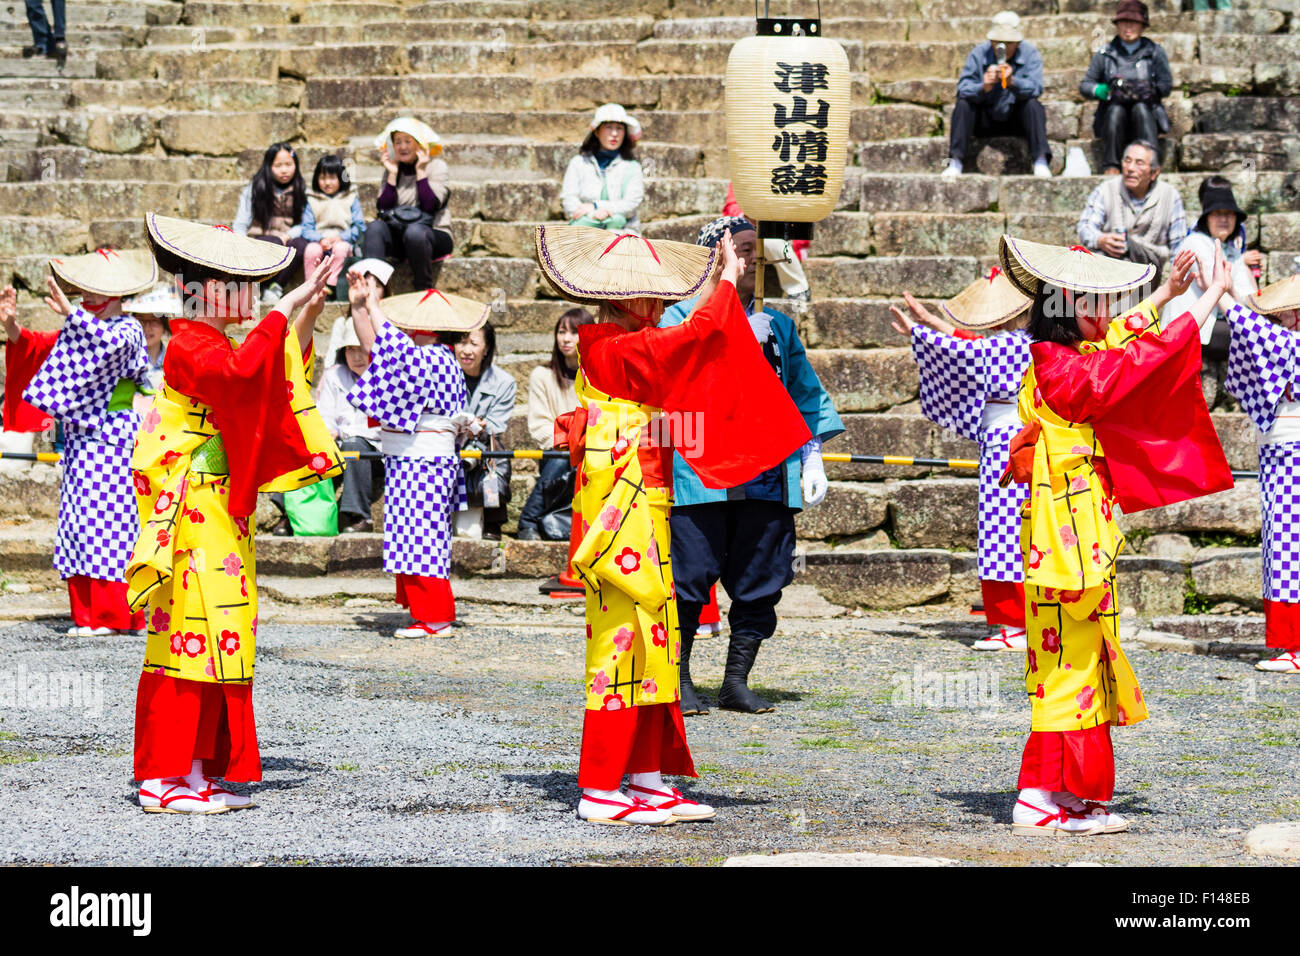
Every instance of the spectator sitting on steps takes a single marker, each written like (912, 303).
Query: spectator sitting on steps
(414, 223)
(997, 95)
(1134, 216)
(603, 185)
(1129, 78)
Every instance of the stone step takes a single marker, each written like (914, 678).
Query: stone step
(106, 13)
(37, 68)
(80, 40)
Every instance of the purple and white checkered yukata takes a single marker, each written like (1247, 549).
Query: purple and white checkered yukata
(1264, 375)
(411, 390)
(970, 386)
(98, 517)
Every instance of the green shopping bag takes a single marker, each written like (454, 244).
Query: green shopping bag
(312, 510)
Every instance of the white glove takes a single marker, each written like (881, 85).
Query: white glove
(814, 483)
(761, 323)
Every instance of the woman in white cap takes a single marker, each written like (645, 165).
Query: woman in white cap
(414, 223)
(969, 384)
(1114, 415)
(1262, 365)
(603, 186)
(709, 367)
(230, 421)
(86, 382)
(154, 309)
(416, 391)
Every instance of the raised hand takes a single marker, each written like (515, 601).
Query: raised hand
(390, 164)
(358, 287)
(56, 300)
(733, 266)
(1181, 272)
(1222, 279)
(902, 324)
(9, 312)
(422, 158)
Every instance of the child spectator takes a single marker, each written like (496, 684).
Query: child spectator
(271, 208)
(332, 220)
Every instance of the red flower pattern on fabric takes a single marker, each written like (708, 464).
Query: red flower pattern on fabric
(610, 518)
(1078, 483)
(623, 639)
(1033, 661)
(177, 643)
(1135, 322)
(1051, 640)
(1068, 537)
(1035, 557)
(241, 525)
(142, 486)
(1110, 650)
(232, 564)
(193, 644)
(169, 457)
(628, 561)
(151, 420)
(160, 621)
(229, 642)
(648, 686)
(620, 447)
(613, 702)
(1084, 697)
(659, 635)
(164, 502)
(319, 463)
(599, 682)
(162, 537)
(1096, 554)
(243, 585)
(1039, 693)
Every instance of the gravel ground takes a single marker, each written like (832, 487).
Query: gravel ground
(464, 749)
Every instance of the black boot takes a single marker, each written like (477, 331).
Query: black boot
(735, 693)
(691, 703)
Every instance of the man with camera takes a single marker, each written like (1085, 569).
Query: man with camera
(997, 95)
(1128, 78)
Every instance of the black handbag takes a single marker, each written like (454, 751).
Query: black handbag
(404, 216)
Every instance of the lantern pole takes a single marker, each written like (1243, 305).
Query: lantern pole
(758, 270)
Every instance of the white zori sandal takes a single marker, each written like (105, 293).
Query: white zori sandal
(620, 810)
(1092, 810)
(1288, 662)
(421, 629)
(671, 799)
(173, 795)
(1006, 639)
(1037, 814)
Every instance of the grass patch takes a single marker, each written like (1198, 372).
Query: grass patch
(753, 745)
(8, 757)
(822, 743)
(347, 767)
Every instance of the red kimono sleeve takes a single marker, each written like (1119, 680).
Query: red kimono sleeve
(1145, 405)
(23, 359)
(711, 368)
(248, 392)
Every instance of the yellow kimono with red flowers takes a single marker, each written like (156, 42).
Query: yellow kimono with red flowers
(194, 564)
(633, 650)
(1076, 674)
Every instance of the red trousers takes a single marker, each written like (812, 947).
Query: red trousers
(632, 740)
(1282, 625)
(1004, 603)
(180, 721)
(98, 603)
(710, 614)
(1078, 761)
(429, 600)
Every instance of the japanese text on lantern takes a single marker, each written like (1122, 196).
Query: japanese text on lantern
(802, 150)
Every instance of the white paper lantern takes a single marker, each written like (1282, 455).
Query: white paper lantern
(787, 108)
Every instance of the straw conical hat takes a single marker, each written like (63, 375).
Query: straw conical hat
(986, 302)
(107, 272)
(422, 133)
(434, 311)
(1030, 264)
(591, 265)
(1277, 297)
(214, 248)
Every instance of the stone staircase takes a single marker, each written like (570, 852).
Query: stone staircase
(168, 106)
